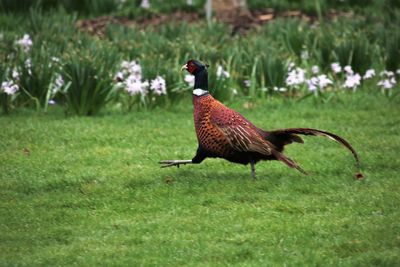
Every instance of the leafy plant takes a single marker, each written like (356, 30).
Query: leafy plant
(89, 71)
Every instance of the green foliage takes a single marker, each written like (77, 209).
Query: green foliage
(260, 57)
(274, 70)
(354, 51)
(88, 71)
(392, 41)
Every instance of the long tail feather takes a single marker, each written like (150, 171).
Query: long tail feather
(316, 132)
(291, 163)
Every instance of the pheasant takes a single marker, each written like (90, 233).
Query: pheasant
(224, 133)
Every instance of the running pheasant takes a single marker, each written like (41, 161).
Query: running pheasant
(224, 133)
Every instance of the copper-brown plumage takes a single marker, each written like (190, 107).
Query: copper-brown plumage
(224, 133)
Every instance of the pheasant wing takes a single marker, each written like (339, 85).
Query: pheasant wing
(241, 134)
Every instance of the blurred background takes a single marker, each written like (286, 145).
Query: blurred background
(86, 55)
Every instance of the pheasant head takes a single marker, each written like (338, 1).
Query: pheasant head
(199, 70)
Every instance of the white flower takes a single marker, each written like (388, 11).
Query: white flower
(305, 55)
(295, 77)
(352, 81)
(348, 70)
(279, 89)
(369, 74)
(119, 76)
(291, 66)
(25, 42)
(55, 59)
(9, 87)
(315, 69)
(1, 36)
(398, 71)
(125, 64)
(15, 74)
(222, 73)
(189, 2)
(145, 4)
(336, 68)
(189, 79)
(387, 73)
(158, 85)
(234, 91)
(51, 102)
(28, 65)
(247, 83)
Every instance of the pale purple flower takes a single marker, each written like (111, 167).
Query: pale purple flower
(134, 86)
(315, 69)
(336, 68)
(52, 102)
(311, 85)
(189, 79)
(369, 74)
(9, 87)
(222, 73)
(25, 42)
(352, 81)
(247, 83)
(295, 77)
(135, 69)
(129, 77)
(323, 81)
(131, 68)
(319, 82)
(348, 70)
(59, 81)
(145, 4)
(158, 85)
(387, 83)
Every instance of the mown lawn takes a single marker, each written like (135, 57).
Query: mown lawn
(89, 191)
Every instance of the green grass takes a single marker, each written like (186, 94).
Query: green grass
(91, 192)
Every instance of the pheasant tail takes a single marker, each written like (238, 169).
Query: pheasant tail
(286, 136)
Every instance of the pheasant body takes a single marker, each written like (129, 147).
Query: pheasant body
(214, 123)
(224, 133)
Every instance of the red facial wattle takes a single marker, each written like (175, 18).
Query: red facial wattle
(191, 67)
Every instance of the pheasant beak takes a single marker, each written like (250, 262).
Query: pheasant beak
(184, 67)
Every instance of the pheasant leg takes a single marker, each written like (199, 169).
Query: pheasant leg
(170, 163)
(253, 169)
